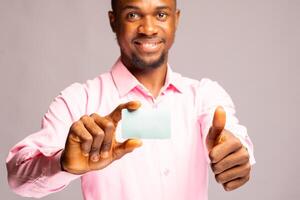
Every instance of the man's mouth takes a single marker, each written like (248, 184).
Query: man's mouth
(148, 45)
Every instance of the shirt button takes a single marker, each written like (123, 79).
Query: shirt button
(166, 172)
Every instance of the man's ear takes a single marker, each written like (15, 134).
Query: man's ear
(177, 18)
(112, 20)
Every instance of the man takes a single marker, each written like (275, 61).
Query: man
(80, 136)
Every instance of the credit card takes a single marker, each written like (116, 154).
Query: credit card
(147, 123)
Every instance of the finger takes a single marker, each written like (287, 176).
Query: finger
(222, 150)
(234, 184)
(98, 136)
(126, 147)
(218, 125)
(219, 119)
(80, 135)
(108, 139)
(109, 130)
(234, 173)
(116, 115)
(239, 158)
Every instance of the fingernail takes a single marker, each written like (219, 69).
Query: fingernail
(94, 158)
(85, 154)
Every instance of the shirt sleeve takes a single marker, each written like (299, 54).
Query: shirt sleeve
(33, 165)
(210, 95)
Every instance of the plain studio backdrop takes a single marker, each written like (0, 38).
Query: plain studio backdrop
(250, 47)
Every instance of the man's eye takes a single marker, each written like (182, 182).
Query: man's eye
(162, 16)
(132, 16)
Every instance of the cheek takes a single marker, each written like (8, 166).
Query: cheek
(170, 35)
(169, 29)
(126, 34)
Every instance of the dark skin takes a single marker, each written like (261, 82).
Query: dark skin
(145, 21)
(145, 31)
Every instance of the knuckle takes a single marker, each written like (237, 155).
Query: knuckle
(212, 156)
(237, 143)
(248, 167)
(220, 178)
(84, 118)
(109, 125)
(94, 115)
(99, 133)
(217, 168)
(87, 138)
(228, 187)
(76, 126)
(245, 156)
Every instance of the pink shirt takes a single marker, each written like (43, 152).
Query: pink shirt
(169, 169)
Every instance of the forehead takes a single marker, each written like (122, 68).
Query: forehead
(146, 4)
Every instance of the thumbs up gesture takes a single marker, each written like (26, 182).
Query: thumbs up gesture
(229, 159)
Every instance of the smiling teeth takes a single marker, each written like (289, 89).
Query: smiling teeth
(150, 45)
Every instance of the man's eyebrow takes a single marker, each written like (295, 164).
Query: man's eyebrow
(130, 7)
(163, 8)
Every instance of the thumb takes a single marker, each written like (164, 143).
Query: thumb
(126, 147)
(218, 125)
(116, 114)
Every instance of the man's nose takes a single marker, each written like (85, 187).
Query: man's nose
(148, 26)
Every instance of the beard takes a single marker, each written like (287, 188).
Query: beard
(139, 63)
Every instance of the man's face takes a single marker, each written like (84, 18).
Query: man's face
(145, 31)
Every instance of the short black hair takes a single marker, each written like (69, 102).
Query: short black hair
(114, 2)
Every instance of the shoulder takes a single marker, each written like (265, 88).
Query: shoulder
(207, 93)
(88, 87)
(80, 95)
(76, 100)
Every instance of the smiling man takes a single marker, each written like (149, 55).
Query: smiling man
(80, 136)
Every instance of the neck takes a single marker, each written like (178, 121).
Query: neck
(153, 79)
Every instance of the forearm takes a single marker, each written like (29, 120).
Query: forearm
(33, 165)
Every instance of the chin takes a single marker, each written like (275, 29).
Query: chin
(148, 63)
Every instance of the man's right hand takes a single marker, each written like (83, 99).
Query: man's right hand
(91, 143)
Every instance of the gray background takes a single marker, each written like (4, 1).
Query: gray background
(251, 47)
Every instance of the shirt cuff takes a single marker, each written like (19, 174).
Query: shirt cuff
(56, 179)
(241, 133)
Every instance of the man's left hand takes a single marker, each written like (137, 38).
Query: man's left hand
(229, 158)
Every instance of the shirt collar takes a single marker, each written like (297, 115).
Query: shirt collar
(125, 81)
